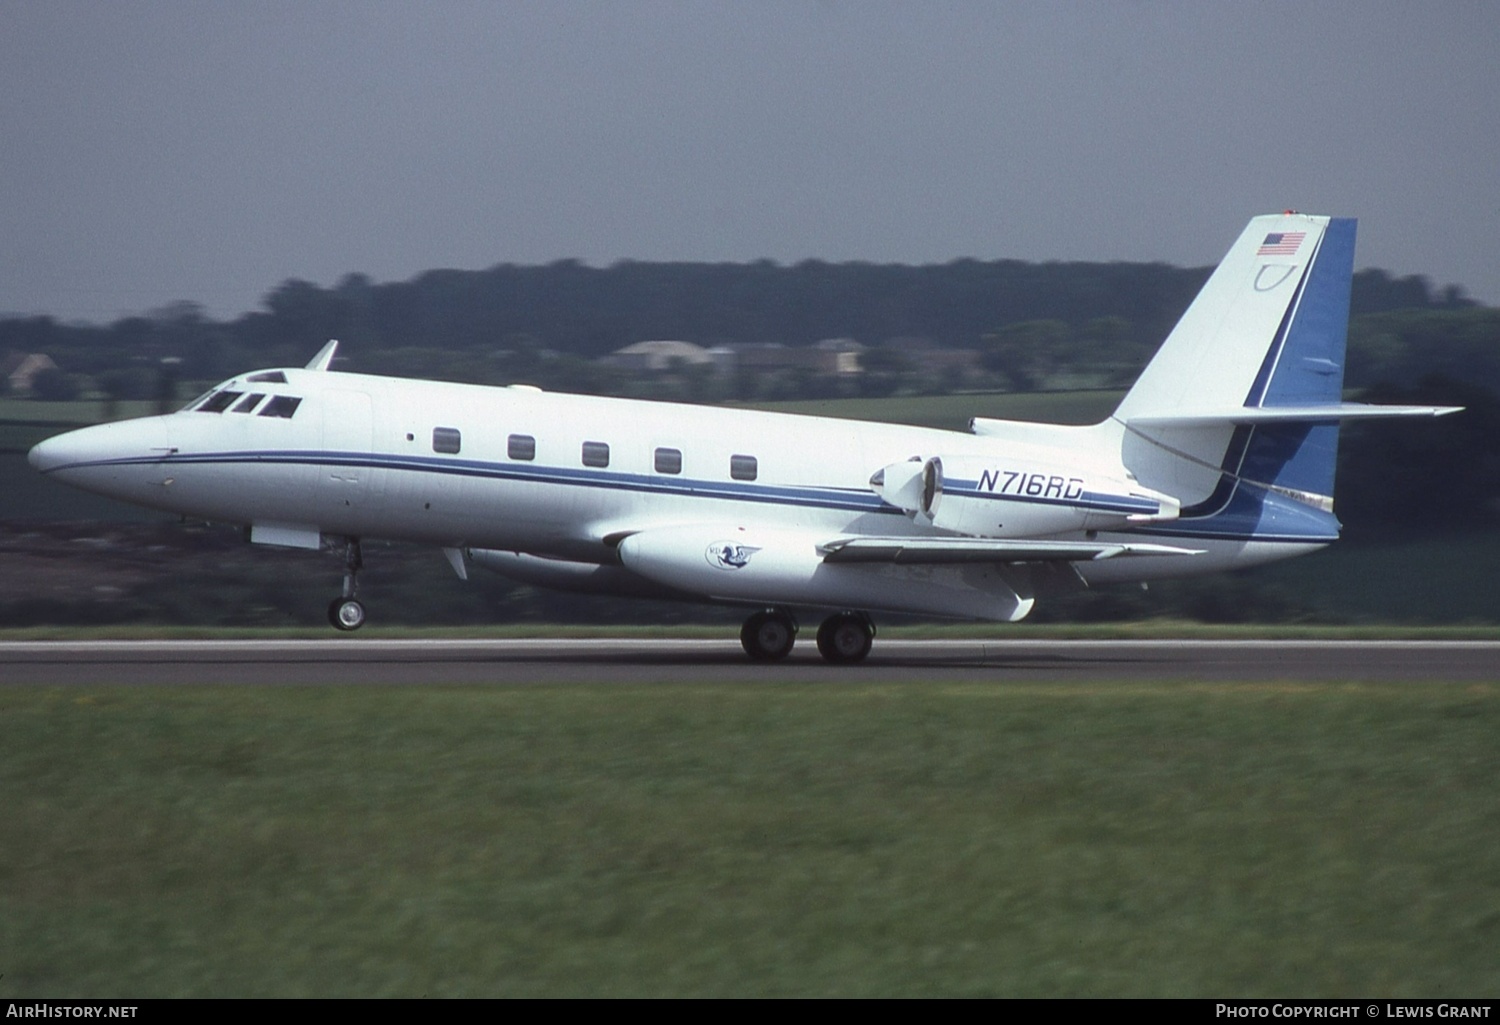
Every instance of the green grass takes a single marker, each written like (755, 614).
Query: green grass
(1438, 579)
(952, 412)
(594, 839)
(77, 411)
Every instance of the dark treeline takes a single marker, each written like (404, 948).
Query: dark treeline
(546, 324)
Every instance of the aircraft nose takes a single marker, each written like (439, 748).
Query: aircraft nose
(47, 455)
(94, 446)
(65, 450)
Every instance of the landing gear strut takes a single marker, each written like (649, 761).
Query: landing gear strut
(769, 635)
(347, 612)
(846, 637)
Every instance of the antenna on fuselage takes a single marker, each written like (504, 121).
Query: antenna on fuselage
(324, 356)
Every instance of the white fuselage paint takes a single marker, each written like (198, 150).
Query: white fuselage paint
(358, 459)
(1220, 456)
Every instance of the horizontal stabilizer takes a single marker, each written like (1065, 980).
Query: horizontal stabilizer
(1287, 414)
(919, 550)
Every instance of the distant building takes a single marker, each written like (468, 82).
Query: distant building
(658, 356)
(842, 354)
(928, 355)
(20, 369)
(831, 356)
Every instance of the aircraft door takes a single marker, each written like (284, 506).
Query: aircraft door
(349, 484)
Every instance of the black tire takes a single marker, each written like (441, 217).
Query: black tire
(768, 636)
(346, 614)
(845, 637)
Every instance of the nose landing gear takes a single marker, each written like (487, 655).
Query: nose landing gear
(347, 612)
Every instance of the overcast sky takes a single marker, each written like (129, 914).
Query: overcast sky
(208, 150)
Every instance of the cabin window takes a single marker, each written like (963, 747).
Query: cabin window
(282, 406)
(220, 401)
(668, 460)
(743, 467)
(521, 446)
(595, 453)
(249, 402)
(267, 377)
(446, 440)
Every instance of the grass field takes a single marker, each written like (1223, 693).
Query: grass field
(952, 412)
(594, 839)
(77, 411)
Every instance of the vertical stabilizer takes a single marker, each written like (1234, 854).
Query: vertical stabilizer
(1213, 418)
(1219, 353)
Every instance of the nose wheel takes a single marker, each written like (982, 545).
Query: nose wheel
(347, 612)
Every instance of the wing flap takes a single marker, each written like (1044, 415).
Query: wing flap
(933, 550)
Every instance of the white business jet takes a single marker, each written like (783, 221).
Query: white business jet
(1220, 457)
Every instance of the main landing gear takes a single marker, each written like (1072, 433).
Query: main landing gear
(347, 612)
(846, 637)
(843, 638)
(769, 635)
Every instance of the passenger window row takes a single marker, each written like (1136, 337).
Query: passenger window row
(595, 454)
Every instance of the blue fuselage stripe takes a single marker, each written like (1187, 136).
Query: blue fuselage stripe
(1091, 501)
(814, 497)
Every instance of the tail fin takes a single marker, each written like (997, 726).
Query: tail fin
(1237, 415)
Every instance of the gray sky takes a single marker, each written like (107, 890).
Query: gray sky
(207, 150)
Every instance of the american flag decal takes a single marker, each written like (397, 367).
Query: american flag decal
(1281, 243)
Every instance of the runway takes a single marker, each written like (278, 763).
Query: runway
(377, 662)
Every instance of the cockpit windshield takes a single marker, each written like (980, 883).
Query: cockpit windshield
(232, 396)
(195, 402)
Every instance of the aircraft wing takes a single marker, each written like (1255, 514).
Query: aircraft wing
(917, 550)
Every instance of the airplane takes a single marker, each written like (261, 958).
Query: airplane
(1221, 456)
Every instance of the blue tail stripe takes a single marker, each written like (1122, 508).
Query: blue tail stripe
(1310, 371)
(1304, 366)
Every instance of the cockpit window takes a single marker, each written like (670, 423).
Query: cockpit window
(267, 377)
(195, 402)
(219, 401)
(249, 402)
(283, 406)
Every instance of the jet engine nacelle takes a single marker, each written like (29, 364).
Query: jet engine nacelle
(1002, 497)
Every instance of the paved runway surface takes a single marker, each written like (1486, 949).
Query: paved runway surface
(377, 662)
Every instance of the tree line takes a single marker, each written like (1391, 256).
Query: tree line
(1033, 324)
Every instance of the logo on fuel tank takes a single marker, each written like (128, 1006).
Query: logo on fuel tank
(729, 555)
